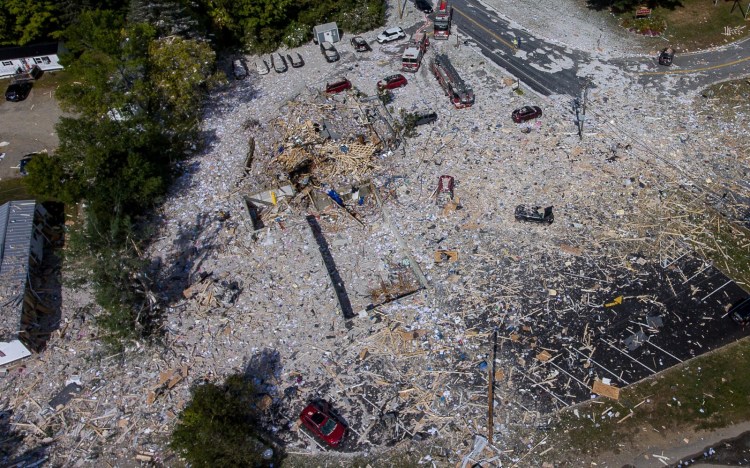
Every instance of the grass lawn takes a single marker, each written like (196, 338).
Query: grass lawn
(706, 393)
(698, 24)
(13, 189)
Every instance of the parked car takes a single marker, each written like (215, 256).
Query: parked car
(740, 312)
(445, 187)
(526, 113)
(425, 6)
(360, 45)
(666, 56)
(296, 63)
(279, 65)
(262, 67)
(424, 117)
(319, 419)
(390, 35)
(338, 86)
(239, 69)
(329, 51)
(18, 91)
(535, 214)
(392, 82)
(23, 163)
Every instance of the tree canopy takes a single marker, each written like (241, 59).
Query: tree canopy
(220, 426)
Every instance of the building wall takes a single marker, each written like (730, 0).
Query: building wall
(45, 62)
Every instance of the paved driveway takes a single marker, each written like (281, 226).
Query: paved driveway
(27, 126)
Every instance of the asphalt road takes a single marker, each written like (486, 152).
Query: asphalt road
(546, 68)
(552, 69)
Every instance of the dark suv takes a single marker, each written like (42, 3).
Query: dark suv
(18, 91)
(666, 56)
(535, 214)
(423, 5)
(424, 117)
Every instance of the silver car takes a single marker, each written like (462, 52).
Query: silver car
(262, 67)
(329, 51)
(279, 64)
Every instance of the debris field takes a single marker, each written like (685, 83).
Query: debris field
(306, 246)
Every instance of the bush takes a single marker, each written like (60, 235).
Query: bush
(221, 427)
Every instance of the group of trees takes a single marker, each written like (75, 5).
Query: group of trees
(257, 25)
(135, 91)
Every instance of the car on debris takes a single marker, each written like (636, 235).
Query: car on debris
(298, 63)
(740, 312)
(390, 35)
(319, 418)
(526, 113)
(279, 65)
(666, 56)
(262, 67)
(239, 70)
(392, 82)
(360, 45)
(425, 6)
(424, 117)
(535, 214)
(18, 91)
(446, 185)
(329, 51)
(338, 86)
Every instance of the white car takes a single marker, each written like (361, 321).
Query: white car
(262, 67)
(391, 34)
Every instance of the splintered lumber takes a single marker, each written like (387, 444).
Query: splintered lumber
(450, 256)
(603, 389)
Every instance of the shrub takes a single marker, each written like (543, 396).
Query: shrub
(221, 427)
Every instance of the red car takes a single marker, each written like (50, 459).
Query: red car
(323, 423)
(526, 113)
(446, 184)
(338, 86)
(392, 82)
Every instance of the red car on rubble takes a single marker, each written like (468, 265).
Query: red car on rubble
(392, 82)
(338, 86)
(526, 113)
(319, 419)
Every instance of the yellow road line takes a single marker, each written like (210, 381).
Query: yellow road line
(484, 29)
(693, 70)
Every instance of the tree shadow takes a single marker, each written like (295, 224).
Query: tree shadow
(12, 445)
(191, 246)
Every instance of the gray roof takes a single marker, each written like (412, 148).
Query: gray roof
(16, 228)
(325, 27)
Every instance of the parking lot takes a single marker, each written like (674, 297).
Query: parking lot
(28, 126)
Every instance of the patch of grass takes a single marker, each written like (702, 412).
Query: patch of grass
(695, 24)
(13, 189)
(705, 393)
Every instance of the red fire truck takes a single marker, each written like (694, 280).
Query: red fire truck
(460, 93)
(442, 23)
(412, 57)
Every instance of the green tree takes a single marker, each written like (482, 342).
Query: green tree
(23, 21)
(220, 426)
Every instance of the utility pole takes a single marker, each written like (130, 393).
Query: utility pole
(580, 109)
(491, 390)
